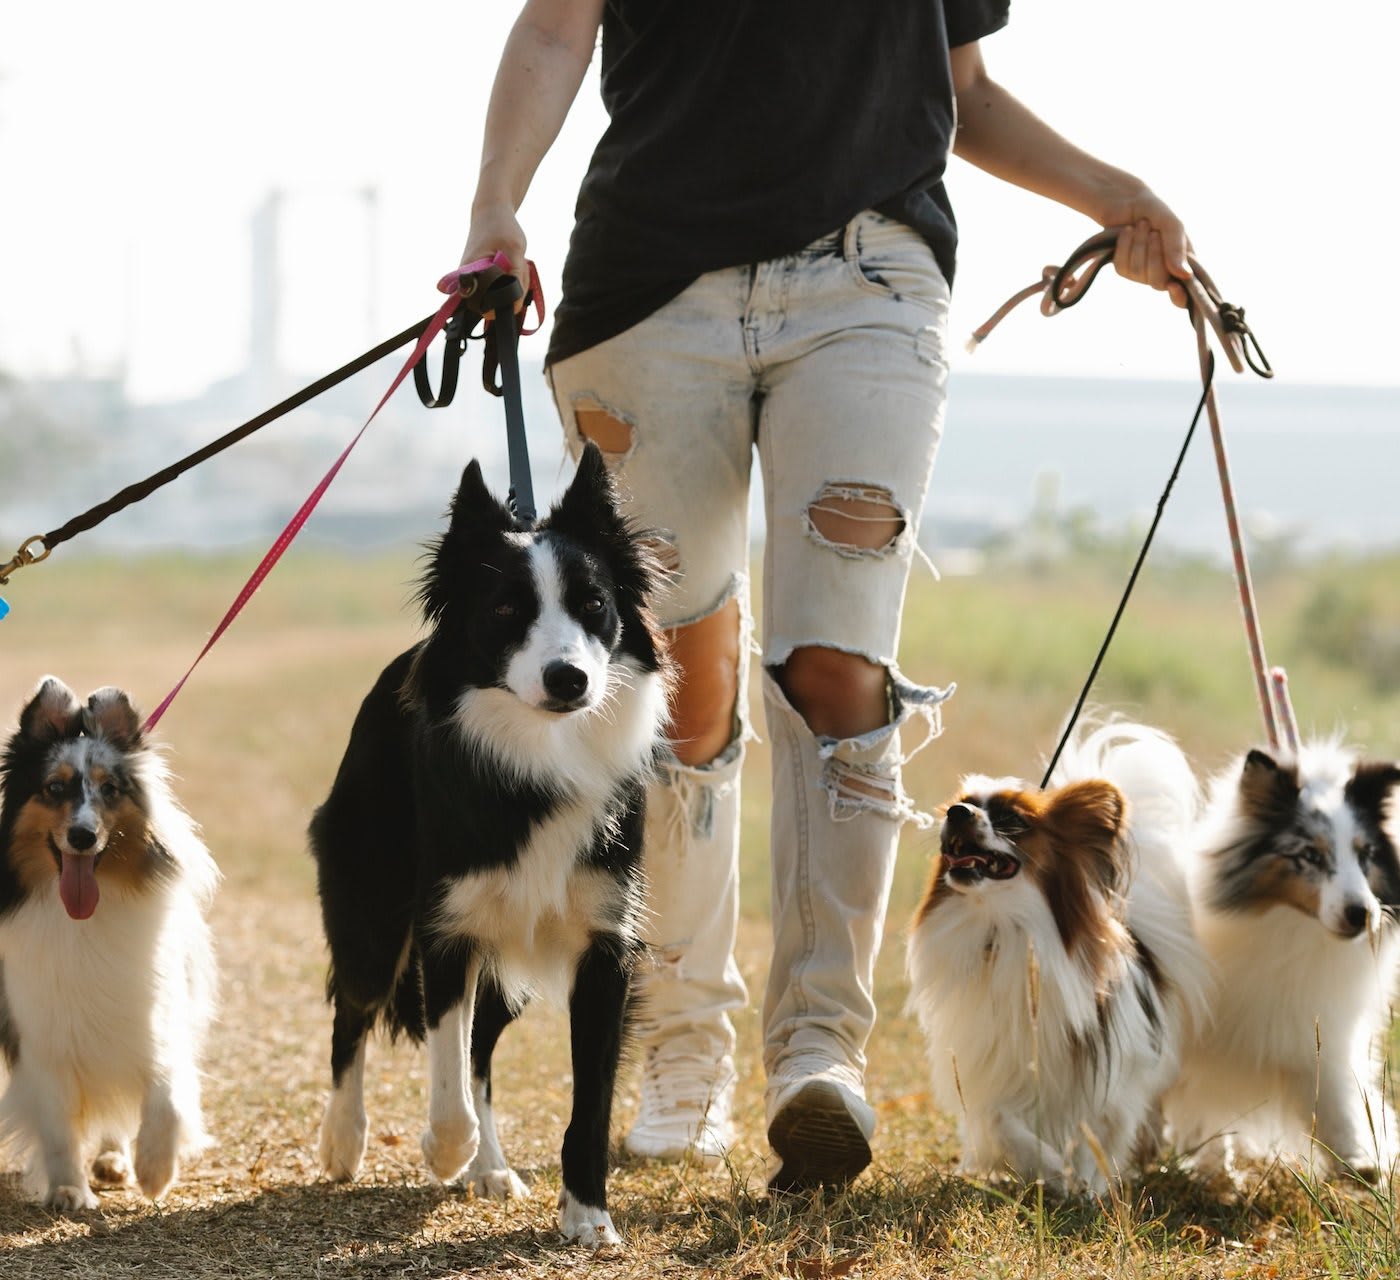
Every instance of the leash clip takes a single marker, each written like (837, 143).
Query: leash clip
(1232, 321)
(25, 556)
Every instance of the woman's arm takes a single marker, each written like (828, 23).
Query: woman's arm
(1000, 135)
(543, 64)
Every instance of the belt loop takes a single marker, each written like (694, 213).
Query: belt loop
(850, 241)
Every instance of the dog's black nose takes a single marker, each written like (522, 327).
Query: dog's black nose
(959, 816)
(1356, 916)
(565, 682)
(81, 838)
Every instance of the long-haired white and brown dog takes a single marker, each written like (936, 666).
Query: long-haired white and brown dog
(1295, 877)
(1052, 960)
(106, 969)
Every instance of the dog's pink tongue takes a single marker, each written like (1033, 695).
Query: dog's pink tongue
(77, 885)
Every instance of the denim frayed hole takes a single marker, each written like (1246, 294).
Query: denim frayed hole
(611, 432)
(856, 519)
(709, 652)
(855, 789)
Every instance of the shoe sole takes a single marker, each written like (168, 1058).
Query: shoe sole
(818, 1141)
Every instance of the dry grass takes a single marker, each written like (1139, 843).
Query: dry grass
(256, 737)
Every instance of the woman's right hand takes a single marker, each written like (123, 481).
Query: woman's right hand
(495, 229)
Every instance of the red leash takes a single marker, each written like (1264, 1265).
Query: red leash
(458, 285)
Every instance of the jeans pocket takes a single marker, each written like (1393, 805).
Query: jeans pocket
(893, 261)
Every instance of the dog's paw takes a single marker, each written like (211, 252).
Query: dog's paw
(451, 1148)
(585, 1225)
(497, 1184)
(156, 1164)
(71, 1199)
(343, 1140)
(112, 1169)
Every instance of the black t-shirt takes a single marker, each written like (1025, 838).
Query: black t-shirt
(741, 130)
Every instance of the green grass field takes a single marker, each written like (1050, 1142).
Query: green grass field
(255, 739)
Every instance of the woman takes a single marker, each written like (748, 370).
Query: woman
(761, 258)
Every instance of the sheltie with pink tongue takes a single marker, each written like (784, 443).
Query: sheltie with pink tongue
(106, 965)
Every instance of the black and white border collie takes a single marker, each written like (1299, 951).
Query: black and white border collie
(1053, 965)
(482, 840)
(1295, 880)
(106, 966)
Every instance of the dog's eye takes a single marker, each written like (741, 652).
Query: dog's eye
(505, 609)
(594, 604)
(54, 788)
(1364, 848)
(110, 791)
(1315, 855)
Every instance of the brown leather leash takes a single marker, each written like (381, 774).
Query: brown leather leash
(1062, 287)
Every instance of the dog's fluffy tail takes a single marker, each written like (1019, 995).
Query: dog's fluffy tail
(1142, 762)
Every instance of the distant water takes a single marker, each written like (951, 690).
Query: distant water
(1318, 465)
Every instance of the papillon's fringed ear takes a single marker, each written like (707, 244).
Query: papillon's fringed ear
(109, 714)
(1268, 789)
(53, 712)
(1088, 818)
(1369, 785)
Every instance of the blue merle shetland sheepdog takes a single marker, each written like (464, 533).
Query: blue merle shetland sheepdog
(482, 840)
(1295, 882)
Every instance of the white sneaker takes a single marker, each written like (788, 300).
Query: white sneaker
(819, 1123)
(684, 1111)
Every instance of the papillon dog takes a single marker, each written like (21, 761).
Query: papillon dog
(483, 838)
(106, 965)
(1295, 878)
(1052, 962)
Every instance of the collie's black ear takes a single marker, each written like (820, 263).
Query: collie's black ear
(475, 507)
(109, 714)
(53, 712)
(589, 507)
(1268, 790)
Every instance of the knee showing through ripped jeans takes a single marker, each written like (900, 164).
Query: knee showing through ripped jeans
(838, 694)
(709, 654)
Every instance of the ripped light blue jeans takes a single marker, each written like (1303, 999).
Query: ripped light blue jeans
(830, 362)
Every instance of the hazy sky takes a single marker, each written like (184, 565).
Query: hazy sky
(137, 138)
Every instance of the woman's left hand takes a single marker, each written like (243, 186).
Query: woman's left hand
(1152, 244)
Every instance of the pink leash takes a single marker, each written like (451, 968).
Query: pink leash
(458, 285)
(1062, 287)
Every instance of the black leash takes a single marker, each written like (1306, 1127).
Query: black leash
(498, 297)
(133, 493)
(1064, 286)
(1132, 578)
(495, 293)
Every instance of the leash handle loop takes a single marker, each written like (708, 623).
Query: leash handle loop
(487, 288)
(1064, 286)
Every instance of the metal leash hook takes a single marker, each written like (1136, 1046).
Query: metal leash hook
(24, 556)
